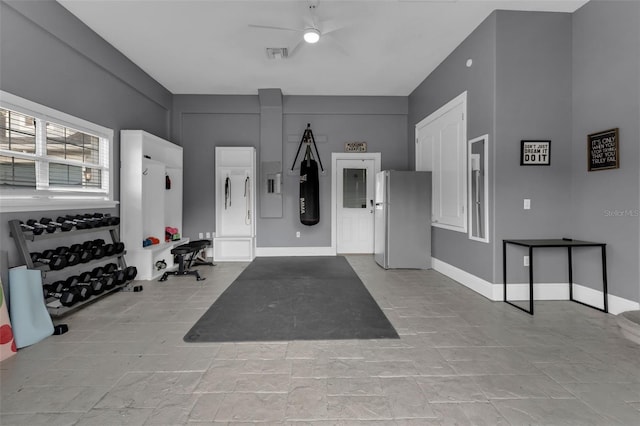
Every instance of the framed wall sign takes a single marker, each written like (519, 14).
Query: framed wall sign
(355, 147)
(603, 150)
(535, 153)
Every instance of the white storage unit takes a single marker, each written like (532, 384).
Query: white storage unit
(235, 238)
(147, 207)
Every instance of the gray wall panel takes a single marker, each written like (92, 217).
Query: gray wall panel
(49, 57)
(606, 94)
(201, 133)
(202, 122)
(383, 133)
(533, 101)
(450, 79)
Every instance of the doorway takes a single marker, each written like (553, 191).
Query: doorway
(353, 177)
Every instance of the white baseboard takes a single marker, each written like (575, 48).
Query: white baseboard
(476, 284)
(546, 291)
(294, 251)
(520, 291)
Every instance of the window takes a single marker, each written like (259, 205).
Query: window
(51, 160)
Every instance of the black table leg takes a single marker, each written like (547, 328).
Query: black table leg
(531, 280)
(570, 273)
(504, 268)
(604, 277)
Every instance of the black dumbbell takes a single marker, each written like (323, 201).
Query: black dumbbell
(102, 218)
(92, 221)
(97, 272)
(130, 272)
(44, 226)
(64, 226)
(97, 284)
(68, 221)
(67, 296)
(119, 247)
(75, 284)
(118, 277)
(113, 220)
(87, 221)
(109, 268)
(88, 288)
(86, 251)
(109, 249)
(60, 250)
(98, 218)
(97, 252)
(72, 258)
(48, 257)
(85, 256)
(109, 274)
(33, 229)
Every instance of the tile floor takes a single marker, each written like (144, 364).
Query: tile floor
(461, 360)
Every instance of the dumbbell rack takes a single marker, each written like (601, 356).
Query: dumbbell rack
(22, 237)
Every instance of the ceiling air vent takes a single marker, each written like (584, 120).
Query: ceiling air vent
(277, 52)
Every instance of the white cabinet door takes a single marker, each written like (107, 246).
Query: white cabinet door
(441, 148)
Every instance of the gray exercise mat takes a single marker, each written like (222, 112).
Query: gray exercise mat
(294, 298)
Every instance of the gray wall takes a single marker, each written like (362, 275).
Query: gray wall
(519, 87)
(50, 57)
(533, 101)
(606, 94)
(450, 79)
(203, 122)
(558, 77)
(200, 124)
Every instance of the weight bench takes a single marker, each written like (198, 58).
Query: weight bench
(185, 254)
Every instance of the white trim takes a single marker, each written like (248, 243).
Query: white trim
(594, 297)
(485, 179)
(294, 251)
(26, 106)
(335, 156)
(477, 284)
(47, 204)
(543, 291)
(42, 197)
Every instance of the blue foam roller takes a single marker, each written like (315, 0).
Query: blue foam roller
(29, 316)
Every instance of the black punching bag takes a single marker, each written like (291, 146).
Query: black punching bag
(309, 191)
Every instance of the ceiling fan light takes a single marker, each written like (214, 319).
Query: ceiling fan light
(311, 35)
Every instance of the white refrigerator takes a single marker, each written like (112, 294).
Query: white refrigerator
(403, 219)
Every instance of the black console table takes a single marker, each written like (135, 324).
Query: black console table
(565, 242)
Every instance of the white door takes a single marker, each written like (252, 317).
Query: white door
(355, 205)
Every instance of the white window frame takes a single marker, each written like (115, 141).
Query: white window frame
(52, 198)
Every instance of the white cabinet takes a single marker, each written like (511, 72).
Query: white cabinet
(150, 199)
(441, 147)
(235, 238)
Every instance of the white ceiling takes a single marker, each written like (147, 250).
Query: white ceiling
(384, 47)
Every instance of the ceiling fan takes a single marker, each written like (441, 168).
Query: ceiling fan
(313, 31)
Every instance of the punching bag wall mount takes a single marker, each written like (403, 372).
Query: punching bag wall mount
(309, 201)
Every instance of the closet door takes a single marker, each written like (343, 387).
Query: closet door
(441, 149)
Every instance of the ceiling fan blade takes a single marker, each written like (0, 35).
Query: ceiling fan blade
(330, 26)
(267, 27)
(296, 47)
(335, 43)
